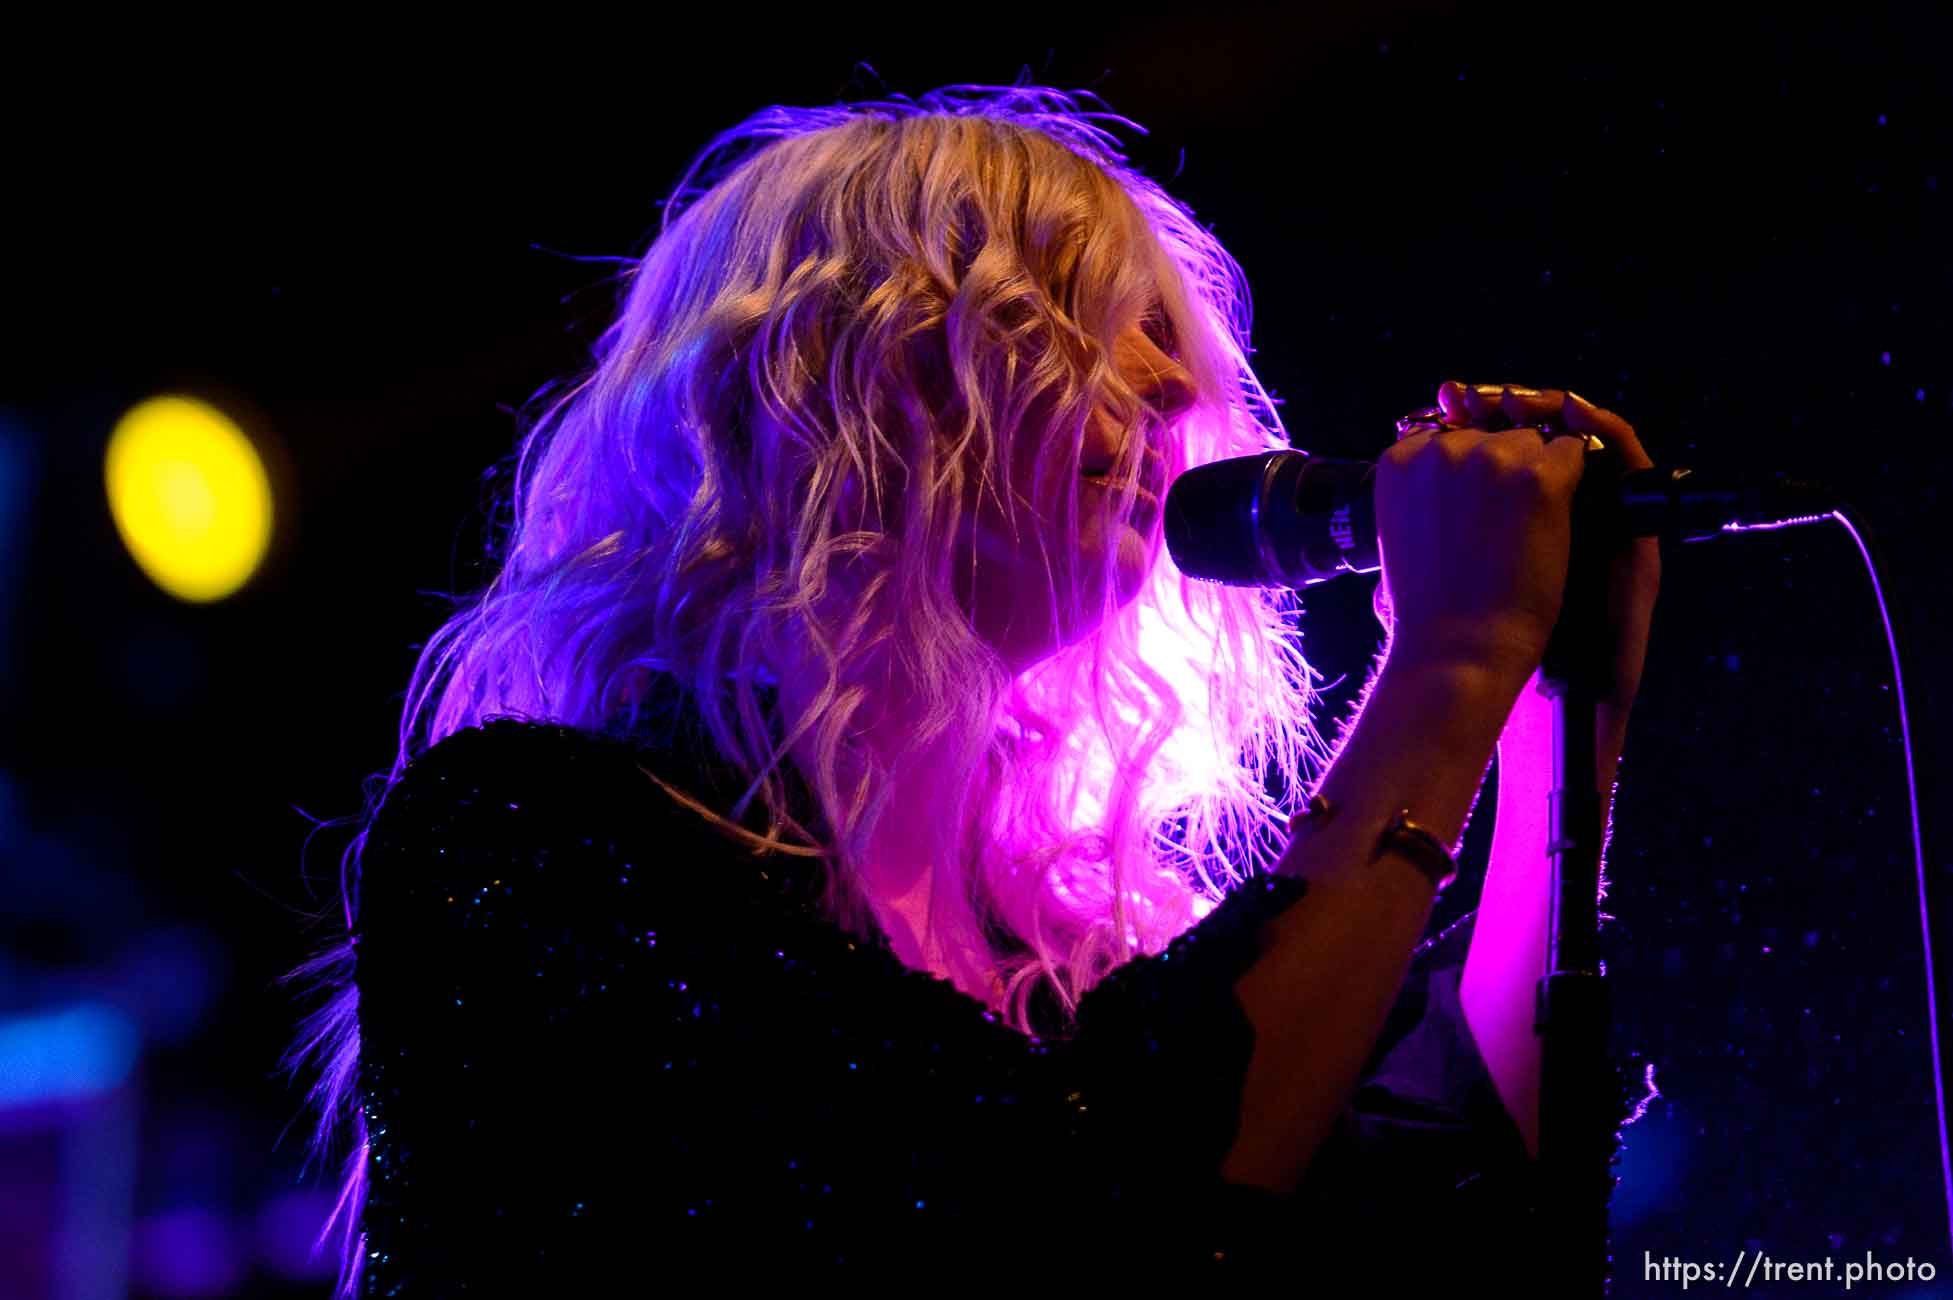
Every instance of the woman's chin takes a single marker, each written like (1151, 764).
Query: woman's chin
(1137, 554)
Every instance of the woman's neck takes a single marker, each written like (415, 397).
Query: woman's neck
(895, 874)
(913, 837)
(904, 918)
(898, 872)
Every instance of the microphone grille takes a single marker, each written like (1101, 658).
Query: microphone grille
(1210, 521)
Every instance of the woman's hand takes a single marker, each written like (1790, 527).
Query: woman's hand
(1473, 528)
(1634, 569)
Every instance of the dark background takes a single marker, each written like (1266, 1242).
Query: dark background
(1729, 227)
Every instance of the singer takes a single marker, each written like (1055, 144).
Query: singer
(838, 835)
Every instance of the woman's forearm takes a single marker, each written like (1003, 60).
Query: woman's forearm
(1333, 963)
(1508, 950)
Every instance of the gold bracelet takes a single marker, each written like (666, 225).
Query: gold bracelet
(1418, 843)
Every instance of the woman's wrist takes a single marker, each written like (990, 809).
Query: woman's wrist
(1422, 742)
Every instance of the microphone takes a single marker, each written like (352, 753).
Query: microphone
(1289, 519)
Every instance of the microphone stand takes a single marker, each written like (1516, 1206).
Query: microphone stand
(1572, 1012)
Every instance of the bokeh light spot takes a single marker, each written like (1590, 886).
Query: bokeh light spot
(190, 496)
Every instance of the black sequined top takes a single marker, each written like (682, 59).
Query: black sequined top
(604, 1045)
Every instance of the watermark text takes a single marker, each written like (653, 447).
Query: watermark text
(1752, 1266)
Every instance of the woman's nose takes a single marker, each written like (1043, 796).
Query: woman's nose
(1156, 375)
(1173, 391)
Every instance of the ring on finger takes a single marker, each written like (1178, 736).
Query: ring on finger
(1592, 443)
(1429, 415)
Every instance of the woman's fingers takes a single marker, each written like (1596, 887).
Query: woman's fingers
(1452, 401)
(1578, 415)
(1494, 406)
(1528, 405)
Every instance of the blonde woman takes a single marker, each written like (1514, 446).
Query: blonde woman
(838, 834)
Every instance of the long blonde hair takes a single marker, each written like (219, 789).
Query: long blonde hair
(849, 319)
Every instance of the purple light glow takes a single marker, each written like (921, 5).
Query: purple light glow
(286, 1229)
(190, 1252)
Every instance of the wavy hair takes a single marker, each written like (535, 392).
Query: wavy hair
(853, 328)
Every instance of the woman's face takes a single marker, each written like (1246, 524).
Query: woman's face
(1006, 590)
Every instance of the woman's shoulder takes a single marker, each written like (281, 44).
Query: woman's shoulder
(508, 772)
(513, 749)
(568, 808)
(555, 763)
(510, 748)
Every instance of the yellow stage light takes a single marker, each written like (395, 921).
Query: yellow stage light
(190, 497)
